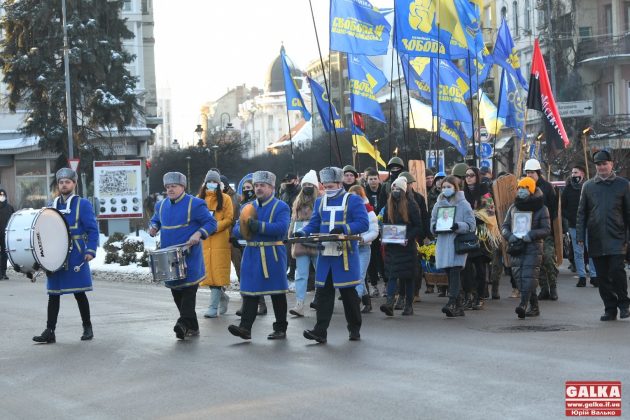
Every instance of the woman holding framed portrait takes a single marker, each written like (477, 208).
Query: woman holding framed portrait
(526, 225)
(451, 201)
(402, 225)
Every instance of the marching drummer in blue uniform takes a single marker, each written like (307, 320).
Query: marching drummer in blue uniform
(264, 264)
(79, 215)
(337, 212)
(183, 220)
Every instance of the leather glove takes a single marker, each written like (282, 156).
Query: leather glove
(336, 231)
(254, 225)
(454, 227)
(512, 239)
(299, 234)
(527, 238)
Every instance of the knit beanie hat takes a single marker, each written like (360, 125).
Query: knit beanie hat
(401, 183)
(528, 183)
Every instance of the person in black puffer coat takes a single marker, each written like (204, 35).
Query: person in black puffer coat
(401, 261)
(6, 210)
(526, 264)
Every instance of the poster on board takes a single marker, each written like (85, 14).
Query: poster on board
(118, 188)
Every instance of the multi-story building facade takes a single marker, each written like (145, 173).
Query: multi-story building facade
(26, 172)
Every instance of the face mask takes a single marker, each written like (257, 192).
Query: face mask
(211, 185)
(448, 192)
(522, 193)
(576, 179)
(396, 195)
(248, 195)
(332, 193)
(308, 190)
(3, 198)
(393, 175)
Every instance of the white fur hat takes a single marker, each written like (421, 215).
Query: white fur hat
(174, 178)
(66, 173)
(331, 174)
(310, 177)
(264, 177)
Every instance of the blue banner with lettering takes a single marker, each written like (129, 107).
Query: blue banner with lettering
(292, 93)
(505, 55)
(324, 107)
(357, 27)
(365, 81)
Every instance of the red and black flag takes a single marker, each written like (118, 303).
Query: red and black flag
(541, 99)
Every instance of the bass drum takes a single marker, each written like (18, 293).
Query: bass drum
(37, 239)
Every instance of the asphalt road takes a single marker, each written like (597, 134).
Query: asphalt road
(419, 367)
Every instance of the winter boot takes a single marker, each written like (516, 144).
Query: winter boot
(449, 309)
(48, 336)
(223, 302)
(459, 306)
(388, 307)
(215, 297)
(468, 302)
(594, 281)
(87, 333)
(408, 310)
(581, 282)
(298, 309)
(262, 306)
(367, 304)
(534, 310)
(521, 309)
(544, 293)
(553, 293)
(400, 303)
(495, 290)
(477, 303)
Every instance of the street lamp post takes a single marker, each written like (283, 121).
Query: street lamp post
(199, 133)
(66, 67)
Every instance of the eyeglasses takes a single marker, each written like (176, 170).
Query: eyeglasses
(470, 175)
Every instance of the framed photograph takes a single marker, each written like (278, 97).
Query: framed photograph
(521, 223)
(445, 219)
(394, 234)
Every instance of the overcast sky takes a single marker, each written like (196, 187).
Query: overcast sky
(204, 47)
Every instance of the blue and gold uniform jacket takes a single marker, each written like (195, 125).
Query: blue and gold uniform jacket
(264, 263)
(352, 217)
(177, 221)
(84, 238)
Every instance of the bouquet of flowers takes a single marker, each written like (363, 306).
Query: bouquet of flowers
(427, 257)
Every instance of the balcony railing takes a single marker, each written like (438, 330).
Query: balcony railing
(603, 47)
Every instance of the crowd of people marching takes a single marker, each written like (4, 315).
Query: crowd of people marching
(380, 228)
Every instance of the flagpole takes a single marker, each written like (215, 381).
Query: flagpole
(402, 114)
(391, 102)
(519, 162)
(321, 60)
(472, 120)
(291, 142)
(496, 122)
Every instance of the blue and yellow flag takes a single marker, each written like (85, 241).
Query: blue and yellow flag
(479, 69)
(429, 28)
(324, 107)
(357, 27)
(365, 81)
(466, 39)
(421, 74)
(504, 54)
(512, 103)
(454, 133)
(488, 112)
(291, 91)
(363, 145)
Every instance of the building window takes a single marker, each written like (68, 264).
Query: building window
(515, 17)
(611, 98)
(626, 14)
(608, 20)
(32, 180)
(127, 6)
(526, 15)
(585, 31)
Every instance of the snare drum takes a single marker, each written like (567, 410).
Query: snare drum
(168, 264)
(37, 239)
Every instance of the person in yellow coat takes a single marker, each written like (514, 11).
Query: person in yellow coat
(217, 248)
